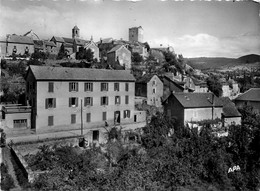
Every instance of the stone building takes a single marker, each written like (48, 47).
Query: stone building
(136, 34)
(121, 55)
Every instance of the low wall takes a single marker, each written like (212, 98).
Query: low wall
(18, 151)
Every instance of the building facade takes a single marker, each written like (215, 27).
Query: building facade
(193, 107)
(151, 87)
(121, 55)
(66, 98)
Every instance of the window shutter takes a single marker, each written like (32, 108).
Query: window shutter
(77, 103)
(91, 101)
(46, 103)
(128, 114)
(91, 87)
(70, 87)
(125, 114)
(54, 102)
(70, 102)
(85, 101)
(77, 86)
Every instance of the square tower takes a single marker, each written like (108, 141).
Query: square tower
(75, 32)
(136, 34)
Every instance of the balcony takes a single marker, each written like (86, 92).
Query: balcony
(16, 109)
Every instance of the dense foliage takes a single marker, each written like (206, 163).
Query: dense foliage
(168, 158)
(7, 182)
(214, 85)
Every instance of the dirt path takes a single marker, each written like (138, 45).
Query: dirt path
(7, 160)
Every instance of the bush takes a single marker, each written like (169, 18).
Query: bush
(7, 181)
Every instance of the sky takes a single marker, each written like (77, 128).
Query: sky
(194, 28)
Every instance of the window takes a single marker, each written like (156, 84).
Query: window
(126, 99)
(88, 117)
(88, 101)
(50, 86)
(117, 100)
(73, 86)
(50, 120)
(154, 82)
(116, 86)
(73, 102)
(154, 91)
(73, 118)
(18, 123)
(104, 86)
(104, 100)
(104, 116)
(50, 103)
(126, 87)
(127, 114)
(88, 87)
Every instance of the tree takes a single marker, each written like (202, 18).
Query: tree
(62, 53)
(86, 54)
(136, 57)
(214, 85)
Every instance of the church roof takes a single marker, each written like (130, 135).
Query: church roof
(80, 41)
(68, 40)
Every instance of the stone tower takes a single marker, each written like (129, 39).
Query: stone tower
(136, 34)
(75, 32)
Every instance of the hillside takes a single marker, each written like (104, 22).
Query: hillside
(207, 63)
(251, 58)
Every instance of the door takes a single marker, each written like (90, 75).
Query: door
(135, 118)
(19, 123)
(95, 136)
(117, 117)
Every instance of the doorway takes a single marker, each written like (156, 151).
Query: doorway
(95, 136)
(117, 117)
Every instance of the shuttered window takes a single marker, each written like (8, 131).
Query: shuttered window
(73, 118)
(88, 87)
(126, 99)
(50, 120)
(117, 100)
(104, 116)
(116, 86)
(104, 100)
(104, 86)
(73, 102)
(88, 101)
(126, 87)
(73, 86)
(51, 89)
(88, 117)
(127, 114)
(50, 103)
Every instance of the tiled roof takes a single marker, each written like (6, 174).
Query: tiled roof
(115, 48)
(80, 41)
(49, 43)
(64, 73)
(68, 40)
(145, 78)
(19, 39)
(197, 100)
(229, 108)
(58, 39)
(198, 82)
(106, 40)
(252, 94)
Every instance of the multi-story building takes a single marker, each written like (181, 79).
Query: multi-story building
(68, 98)
(151, 87)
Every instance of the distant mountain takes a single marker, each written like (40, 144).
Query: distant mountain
(205, 63)
(251, 58)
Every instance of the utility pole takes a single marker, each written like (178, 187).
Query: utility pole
(81, 118)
